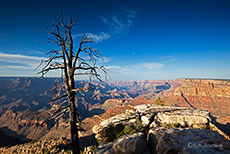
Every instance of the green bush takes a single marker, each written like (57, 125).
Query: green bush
(127, 130)
(131, 129)
(175, 125)
(160, 102)
(109, 134)
(113, 132)
(98, 141)
(171, 125)
(46, 151)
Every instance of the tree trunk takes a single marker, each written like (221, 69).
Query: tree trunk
(73, 121)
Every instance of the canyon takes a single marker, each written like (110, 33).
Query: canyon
(24, 103)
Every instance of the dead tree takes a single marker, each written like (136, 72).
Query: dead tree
(71, 63)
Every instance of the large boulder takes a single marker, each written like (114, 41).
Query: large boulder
(105, 148)
(126, 144)
(129, 144)
(186, 141)
(185, 118)
(152, 116)
(184, 131)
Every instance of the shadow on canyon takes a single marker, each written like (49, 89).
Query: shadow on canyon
(224, 128)
(84, 142)
(10, 138)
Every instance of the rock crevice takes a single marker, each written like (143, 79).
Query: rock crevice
(163, 130)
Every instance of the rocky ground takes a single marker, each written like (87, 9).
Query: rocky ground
(144, 129)
(58, 145)
(153, 129)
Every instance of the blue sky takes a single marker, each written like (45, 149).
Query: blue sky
(140, 40)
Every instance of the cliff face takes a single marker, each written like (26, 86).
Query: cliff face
(24, 105)
(153, 129)
(23, 128)
(21, 94)
(203, 88)
(211, 95)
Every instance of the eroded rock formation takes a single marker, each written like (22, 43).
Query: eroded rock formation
(163, 130)
(211, 95)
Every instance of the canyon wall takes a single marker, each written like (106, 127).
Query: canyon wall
(24, 105)
(206, 94)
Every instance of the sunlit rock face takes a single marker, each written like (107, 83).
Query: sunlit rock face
(210, 95)
(164, 129)
(153, 115)
(186, 141)
(55, 145)
(185, 118)
(198, 87)
(207, 94)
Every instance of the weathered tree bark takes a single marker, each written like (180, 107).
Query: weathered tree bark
(71, 62)
(73, 118)
(73, 126)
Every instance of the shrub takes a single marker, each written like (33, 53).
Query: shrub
(131, 129)
(160, 102)
(127, 130)
(98, 141)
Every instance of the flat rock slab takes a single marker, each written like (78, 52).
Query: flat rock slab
(186, 141)
(126, 144)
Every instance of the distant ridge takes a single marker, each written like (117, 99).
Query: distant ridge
(205, 79)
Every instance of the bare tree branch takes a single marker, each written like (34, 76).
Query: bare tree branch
(70, 62)
(83, 89)
(59, 97)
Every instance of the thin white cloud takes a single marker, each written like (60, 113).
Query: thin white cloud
(113, 67)
(99, 61)
(99, 37)
(149, 66)
(23, 65)
(120, 23)
(77, 35)
(168, 58)
(96, 37)
(104, 60)
(135, 72)
(20, 67)
(20, 59)
(104, 20)
(130, 13)
(138, 67)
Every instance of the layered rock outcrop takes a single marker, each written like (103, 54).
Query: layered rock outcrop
(23, 105)
(157, 129)
(201, 87)
(206, 94)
